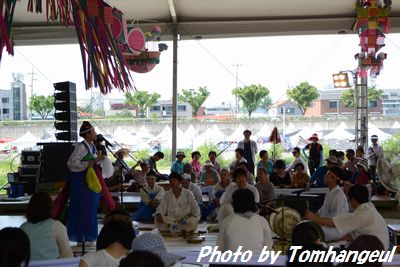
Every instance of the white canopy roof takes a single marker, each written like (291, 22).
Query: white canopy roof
(396, 125)
(372, 129)
(237, 135)
(340, 133)
(26, 141)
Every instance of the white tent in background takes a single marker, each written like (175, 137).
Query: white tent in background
(191, 131)
(340, 133)
(237, 135)
(211, 135)
(372, 129)
(265, 131)
(124, 138)
(396, 125)
(290, 129)
(301, 138)
(183, 140)
(143, 133)
(26, 141)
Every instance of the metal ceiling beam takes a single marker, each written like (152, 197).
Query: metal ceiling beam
(41, 35)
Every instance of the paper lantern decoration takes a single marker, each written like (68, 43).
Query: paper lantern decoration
(136, 41)
(144, 62)
(371, 25)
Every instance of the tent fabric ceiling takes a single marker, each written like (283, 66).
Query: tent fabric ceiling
(210, 18)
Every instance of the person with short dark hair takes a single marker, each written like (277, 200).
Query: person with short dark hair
(178, 209)
(212, 155)
(141, 258)
(239, 177)
(250, 150)
(265, 162)
(188, 169)
(300, 178)
(297, 159)
(239, 158)
(360, 153)
(117, 214)
(15, 248)
(364, 243)
(280, 177)
(340, 157)
(150, 197)
(196, 162)
(138, 176)
(48, 237)
(265, 188)
(153, 165)
(113, 243)
(244, 227)
(350, 164)
(250, 177)
(365, 219)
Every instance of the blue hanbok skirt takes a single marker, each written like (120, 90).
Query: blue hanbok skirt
(144, 212)
(82, 212)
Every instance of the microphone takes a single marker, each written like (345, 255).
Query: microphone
(101, 138)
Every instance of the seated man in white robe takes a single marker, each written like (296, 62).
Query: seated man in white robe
(178, 210)
(239, 177)
(335, 203)
(150, 196)
(365, 220)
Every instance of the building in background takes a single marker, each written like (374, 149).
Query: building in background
(391, 102)
(329, 103)
(13, 105)
(163, 108)
(277, 108)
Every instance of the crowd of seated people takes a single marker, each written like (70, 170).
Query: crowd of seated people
(235, 200)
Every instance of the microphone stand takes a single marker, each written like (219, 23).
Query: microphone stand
(122, 177)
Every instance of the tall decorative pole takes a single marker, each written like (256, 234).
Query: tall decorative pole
(372, 24)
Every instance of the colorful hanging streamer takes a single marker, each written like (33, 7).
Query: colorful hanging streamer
(7, 8)
(103, 63)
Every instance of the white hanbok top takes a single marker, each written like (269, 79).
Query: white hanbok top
(365, 220)
(195, 189)
(107, 168)
(251, 232)
(158, 190)
(217, 188)
(178, 208)
(226, 197)
(335, 203)
(75, 163)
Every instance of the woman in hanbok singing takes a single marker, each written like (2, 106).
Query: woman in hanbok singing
(82, 212)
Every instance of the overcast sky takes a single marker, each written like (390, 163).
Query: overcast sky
(274, 62)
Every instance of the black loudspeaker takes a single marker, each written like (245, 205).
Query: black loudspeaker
(66, 117)
(54, 159)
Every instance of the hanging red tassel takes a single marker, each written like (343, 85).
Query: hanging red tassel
(7, 8)
(102, 59)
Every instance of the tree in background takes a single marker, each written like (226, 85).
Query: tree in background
(303, 94)
(252, 96)
(265, 103)
(194, 97)
(348, 96)
(41, 104)
(392, 144)
(143, 100)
